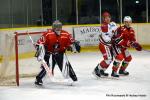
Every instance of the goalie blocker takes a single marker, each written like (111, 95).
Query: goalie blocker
(54, 43)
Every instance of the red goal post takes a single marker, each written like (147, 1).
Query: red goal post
(18, 59)
(17, 53)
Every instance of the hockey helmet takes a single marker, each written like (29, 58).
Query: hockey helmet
(127, 19)
(57, 27)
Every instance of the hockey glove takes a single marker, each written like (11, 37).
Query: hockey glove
(77, 46)
(40, 52)
(137, 46)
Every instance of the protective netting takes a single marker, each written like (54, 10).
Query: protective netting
(7, 65)
(27, 63)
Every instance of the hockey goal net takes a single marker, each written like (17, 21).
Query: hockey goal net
(17, 59)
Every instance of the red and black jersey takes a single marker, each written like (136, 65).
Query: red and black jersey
(54, 42)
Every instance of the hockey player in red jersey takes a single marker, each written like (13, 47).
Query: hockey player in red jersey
(125, 38)
(108, 29)
(55, 42)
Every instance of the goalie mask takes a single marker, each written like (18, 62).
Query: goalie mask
(57, 27)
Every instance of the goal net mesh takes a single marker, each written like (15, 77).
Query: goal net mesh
(7, 65)
(28, 66)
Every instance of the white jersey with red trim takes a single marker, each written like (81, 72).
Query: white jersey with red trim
(107, 32)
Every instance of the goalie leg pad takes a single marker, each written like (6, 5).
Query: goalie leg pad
(42, 73)
(40, 76)
(64, 66)
(72, 73)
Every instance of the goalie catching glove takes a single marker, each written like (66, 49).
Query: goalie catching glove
(75, 47)
(40, 51)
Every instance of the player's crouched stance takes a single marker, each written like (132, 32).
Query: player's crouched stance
(51, 48)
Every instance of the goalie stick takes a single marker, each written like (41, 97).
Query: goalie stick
(48, 70)
(71, 71)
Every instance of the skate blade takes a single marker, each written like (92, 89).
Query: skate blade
(93, 73)
(38, 86)
(98, 76)
(114, 78)
(123, 75)
(105, 77)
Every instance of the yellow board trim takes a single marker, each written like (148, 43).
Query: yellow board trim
(83, 49)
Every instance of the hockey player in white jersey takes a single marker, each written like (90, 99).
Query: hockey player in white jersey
(108, 29)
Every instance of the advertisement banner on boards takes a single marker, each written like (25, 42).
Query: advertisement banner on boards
(88, 35)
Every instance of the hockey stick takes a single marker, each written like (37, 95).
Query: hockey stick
(30, 38)
(48, 70)
(71, 71)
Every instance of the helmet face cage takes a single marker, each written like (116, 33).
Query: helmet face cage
(57, 27)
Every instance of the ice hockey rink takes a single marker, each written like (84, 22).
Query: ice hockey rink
(136, 86)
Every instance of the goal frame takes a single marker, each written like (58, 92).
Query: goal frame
(17, 34)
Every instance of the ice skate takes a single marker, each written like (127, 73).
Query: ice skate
(123, 73)
(114, 75)
(96, 72)
(38, 82)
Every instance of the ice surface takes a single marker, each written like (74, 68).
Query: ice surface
(88, 87)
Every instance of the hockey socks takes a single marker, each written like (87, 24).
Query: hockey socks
(123, 68)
